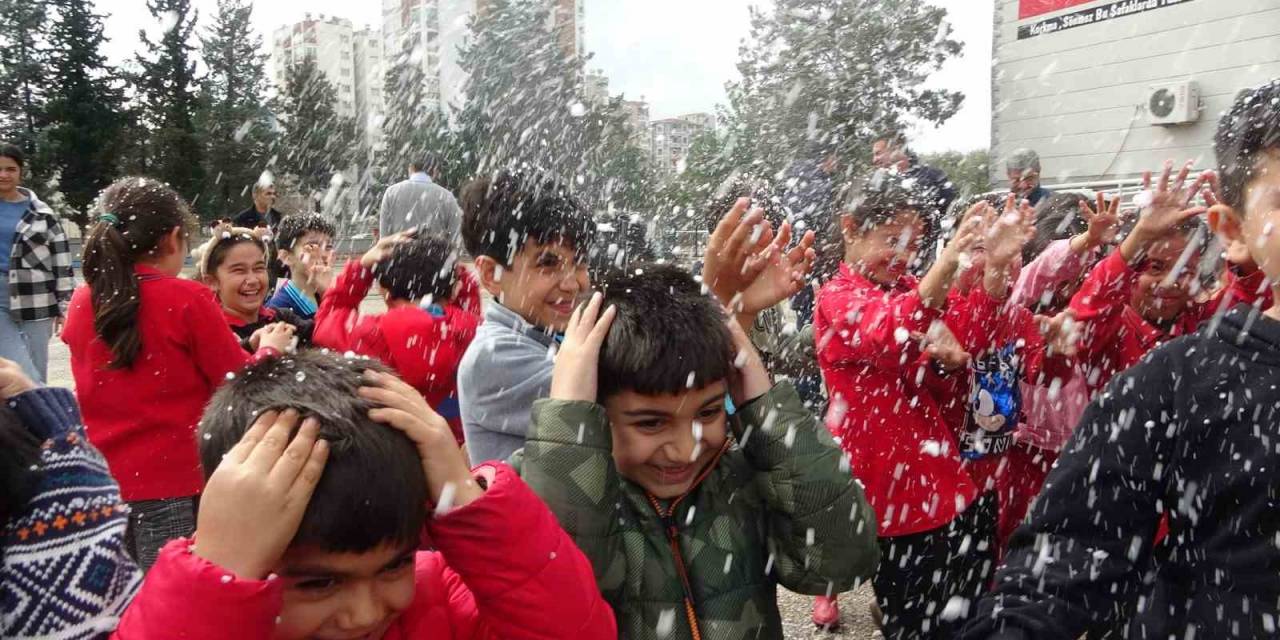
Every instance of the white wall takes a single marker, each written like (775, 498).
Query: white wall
(1078, 96)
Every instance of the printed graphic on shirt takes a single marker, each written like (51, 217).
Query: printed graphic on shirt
(995, 404)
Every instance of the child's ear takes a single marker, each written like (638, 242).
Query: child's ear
(1229, 228)
(175, 241)
(490, 273)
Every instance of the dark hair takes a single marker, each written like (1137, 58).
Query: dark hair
(419, 268)
(667, 337)
(1057, 218)
(19, 454)
(1250, 130)
(215, 251)
(14, 153)
(136, 213)
(736, 186)
(372, 491)
(885, 195)
(292, 228)
(502, 213)
(429, 162)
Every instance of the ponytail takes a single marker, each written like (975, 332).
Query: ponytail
(134, 214)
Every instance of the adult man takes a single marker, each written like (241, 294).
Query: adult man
(420, 202)
(1023, 170)
(263, 211)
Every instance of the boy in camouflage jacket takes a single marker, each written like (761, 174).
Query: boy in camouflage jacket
(690, 516)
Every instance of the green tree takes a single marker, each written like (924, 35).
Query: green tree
(84, 108)
(837, 71)
(316, 142)
(233, 115)
(169, 102)
(969, 172)
(23, 60)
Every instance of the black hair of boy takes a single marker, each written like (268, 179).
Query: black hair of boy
(372, 491)
(293, 227)
(422, 267)
(668, 336)
(1057, 218)
(503, 212)
(1250, 130)
(883, 197)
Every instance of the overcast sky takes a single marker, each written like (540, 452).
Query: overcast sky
(677, 54)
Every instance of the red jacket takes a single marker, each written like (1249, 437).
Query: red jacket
(424, 348)
(504, 569)
(143, 418)
(900, 447)
(995, 335)
(1114, 336)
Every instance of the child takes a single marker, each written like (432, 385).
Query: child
(936, 522)
(234, 265)
(64, 572)
(1143, 294)
(312, 531)
(430, 316)
(147, 351)
(1068, 242)
(1186, 433)
(692, 518)
(305, 244)
(530, 240)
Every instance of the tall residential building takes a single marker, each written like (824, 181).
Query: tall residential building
(432, 33)
(638, 118)
(595, 87)
(370, 74)
(329, 41)
(672, 138)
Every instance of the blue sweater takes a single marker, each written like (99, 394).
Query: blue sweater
(64, 572)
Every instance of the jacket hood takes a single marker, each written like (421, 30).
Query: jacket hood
(1247, 329)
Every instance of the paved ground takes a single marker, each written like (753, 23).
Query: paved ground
(855, 621)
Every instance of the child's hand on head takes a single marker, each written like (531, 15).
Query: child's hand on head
(1164, 208)
(449, 480)
(576, 376)
(13, 381)
(380, 250)
(254, 501)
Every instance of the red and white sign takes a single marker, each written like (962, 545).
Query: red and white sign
(1033, 8)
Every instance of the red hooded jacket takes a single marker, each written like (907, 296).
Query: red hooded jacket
(504, 569)
(423, 347)
(901, 449)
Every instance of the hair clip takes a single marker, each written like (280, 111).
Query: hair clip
(109, 218)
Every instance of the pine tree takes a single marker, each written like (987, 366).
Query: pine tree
(233, 116)
(23, 58)
(84, 106)
(317, 142)
(837, 71)
(169, 100)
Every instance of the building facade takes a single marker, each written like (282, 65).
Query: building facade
(370, 74)
(328, 41)
(1105, 89)
(671, 139)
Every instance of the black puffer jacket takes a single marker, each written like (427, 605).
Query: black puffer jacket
(1192, 432)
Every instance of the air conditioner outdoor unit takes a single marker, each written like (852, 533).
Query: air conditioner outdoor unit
(1173, 103)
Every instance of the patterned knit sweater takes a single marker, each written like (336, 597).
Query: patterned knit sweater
(64, 572)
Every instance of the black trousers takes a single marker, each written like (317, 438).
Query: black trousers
(928, 583)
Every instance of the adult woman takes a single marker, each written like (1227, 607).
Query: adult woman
(37, 266)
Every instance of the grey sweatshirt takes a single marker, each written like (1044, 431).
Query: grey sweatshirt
(419, 202)
(506, 368)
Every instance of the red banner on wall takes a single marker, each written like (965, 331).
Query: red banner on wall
(1033, 8)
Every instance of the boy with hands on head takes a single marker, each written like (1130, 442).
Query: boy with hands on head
(691, 517)
(311, 522)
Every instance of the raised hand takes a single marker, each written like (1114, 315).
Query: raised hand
(379, 251)
(1061, 333)
(739, 235)
(1102, 222)
(934, 285)
(449, 480)
(943, 347)
(779, 272)
(1007, 232)
(576, 376)
(1164, 208)
(254, 501)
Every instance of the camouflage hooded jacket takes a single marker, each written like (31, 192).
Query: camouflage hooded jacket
(779, 507)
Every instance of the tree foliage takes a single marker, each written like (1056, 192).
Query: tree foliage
(317, 143)
(168, 98)
(969, 172)
(23, 61)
